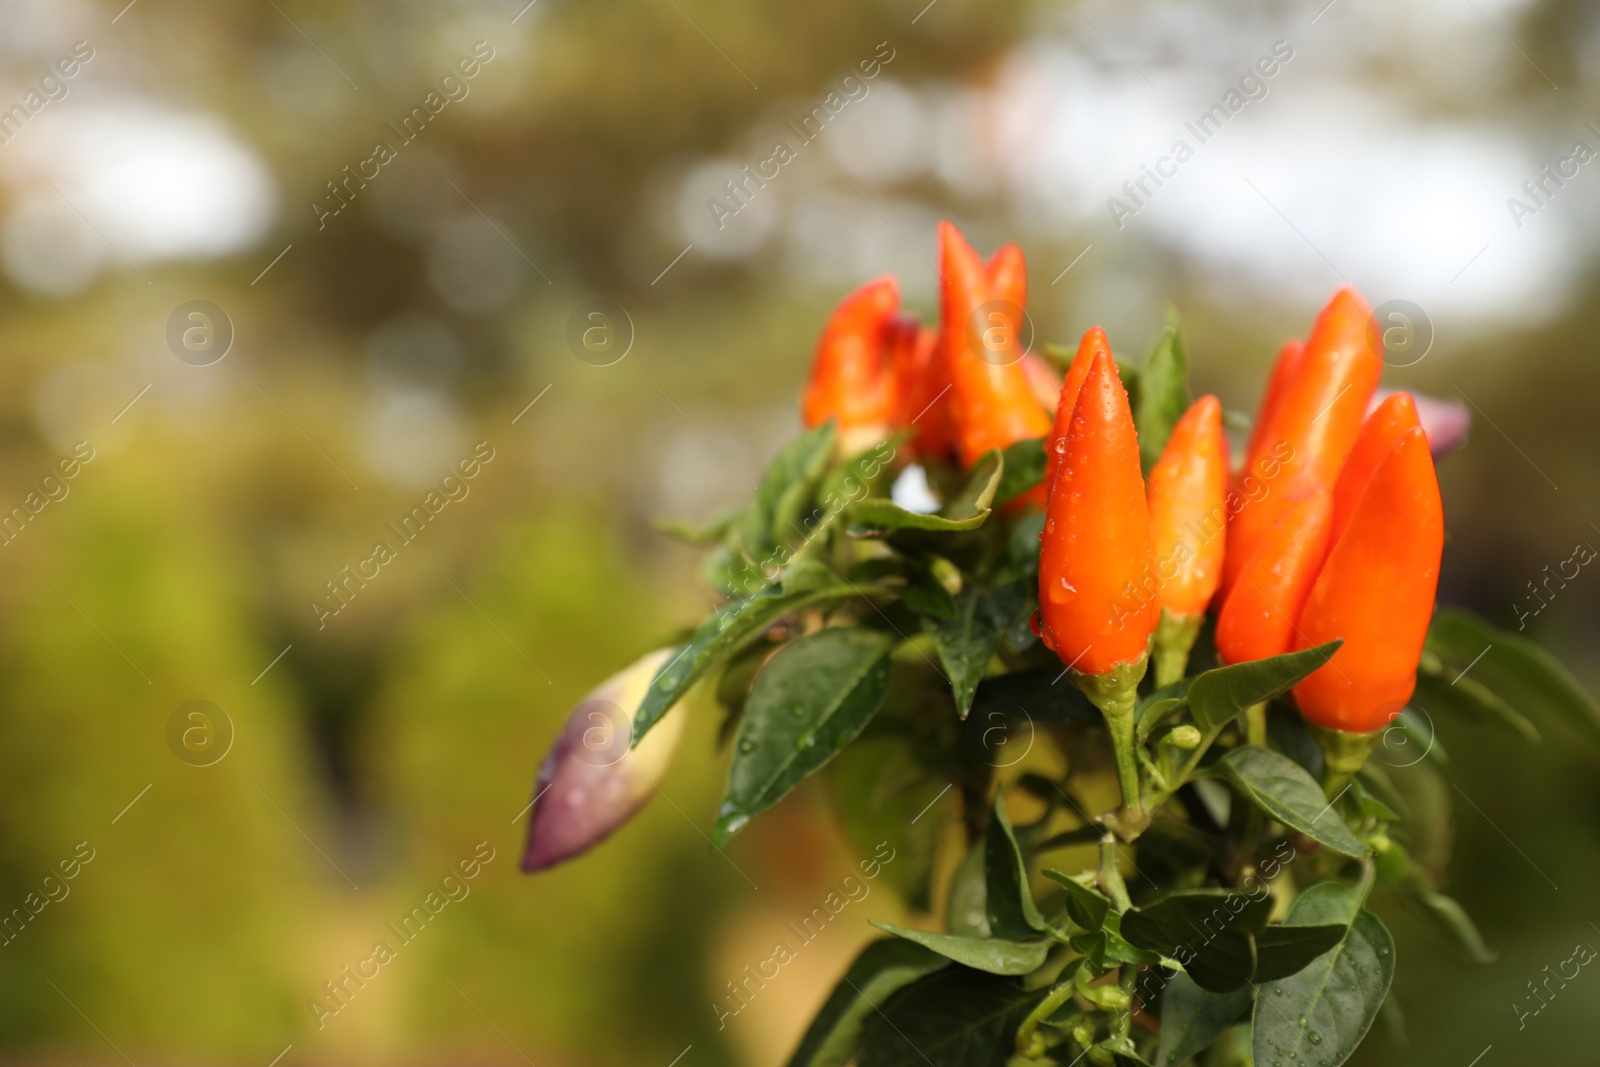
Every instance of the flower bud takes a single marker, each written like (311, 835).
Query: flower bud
(591, 783)
(1185, 737)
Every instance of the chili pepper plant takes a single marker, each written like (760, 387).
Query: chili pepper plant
(1112, 693)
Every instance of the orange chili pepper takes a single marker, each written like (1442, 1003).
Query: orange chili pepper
(849, 374)
(1283, 371)
(921, 389)
(993, 404)
(1093, 342)
(1388, 421)
(1095, 555)
(1258, 615)
(1008, 275)
(1187, 491)
(1376, 591)
(1187, 517)
(1097, 605)
(1311, 428)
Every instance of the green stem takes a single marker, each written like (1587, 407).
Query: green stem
(1174, 637)
(1116, 694)
(1343, 754)
(1029, 1044)
(1124, 1023)
(1255, 724)
(1110, 877)
(1369, 875)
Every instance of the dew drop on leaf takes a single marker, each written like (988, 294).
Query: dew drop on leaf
(747, 746)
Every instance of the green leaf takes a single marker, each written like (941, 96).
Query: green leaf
(1338, 994)
(1219, 695)
(1086, 906)
(863, 474)
(1445, 915)
(1514, 668)
(1280, 787)
(992, 954)
(966, 912)
(1093, 948)
(1152, 710)
(1193, 1018)
(1012, 913)
(1023, 469)
(1285, 950)
(1448, 691)
(883, 968)
(1428, 831)
(1118, 949)
(1288, 733)
(1041, 695)
(786, 488)
(956, 1017)
(1207, 930)
(925, 596)
(967, 510)
(810, 700)
(1163, 394)
(966, 643)
(884, 794)
(722, 633)
(1450, 920)
(707, 533)
(873, 517)
(978, 495)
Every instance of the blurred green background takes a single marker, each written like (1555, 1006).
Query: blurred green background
(374, 749)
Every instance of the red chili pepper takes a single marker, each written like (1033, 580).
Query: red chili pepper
(1388, 421)
(1376, 591)
(1188, 520)
(921, 389)
(992, 402)
(1096, 586)
(1311, 428)
(1093, 343)
(850, 378)
(1258, 615)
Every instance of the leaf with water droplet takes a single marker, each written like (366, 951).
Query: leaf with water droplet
(1337, 995)
(1193, 1018)
(721, 636)
(838, 678)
